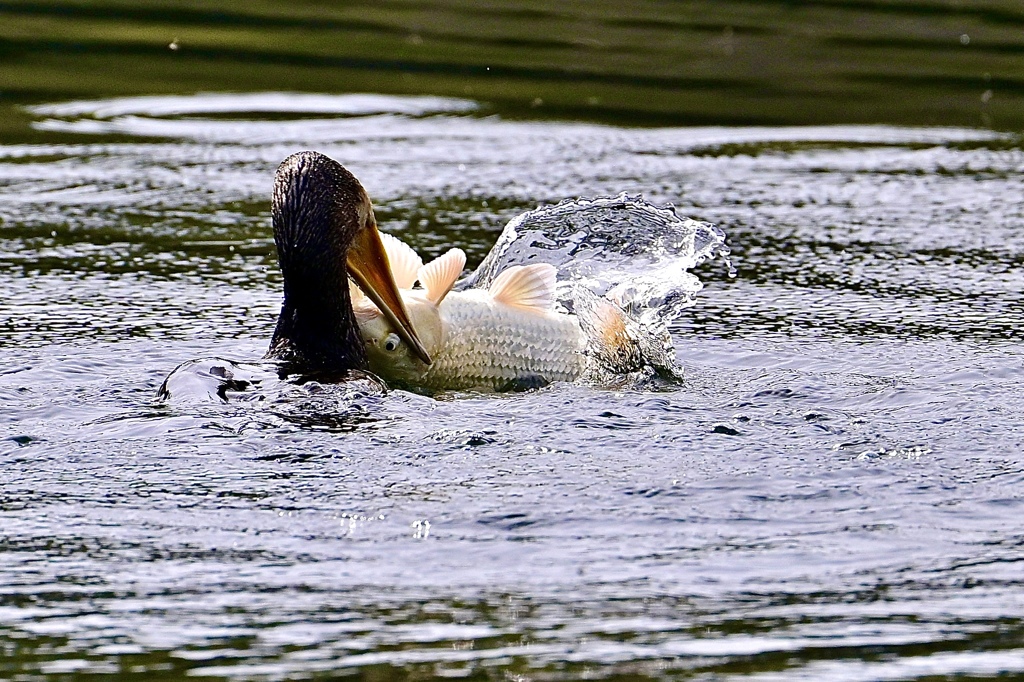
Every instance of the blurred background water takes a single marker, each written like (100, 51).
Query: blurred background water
(918, 62)
(833, 491)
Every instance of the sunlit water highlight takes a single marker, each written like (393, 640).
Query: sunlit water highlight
(833, 490)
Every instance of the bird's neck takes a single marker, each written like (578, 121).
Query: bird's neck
(317, 329)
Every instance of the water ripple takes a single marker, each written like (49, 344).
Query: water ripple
(832, 490)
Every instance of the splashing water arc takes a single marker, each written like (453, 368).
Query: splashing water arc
(631, 251)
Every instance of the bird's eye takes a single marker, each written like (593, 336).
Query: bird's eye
(391, 342)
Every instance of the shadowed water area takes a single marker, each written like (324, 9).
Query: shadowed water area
(831, 491)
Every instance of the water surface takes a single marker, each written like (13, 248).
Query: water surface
(832, 491)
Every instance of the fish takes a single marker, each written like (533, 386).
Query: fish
(508, 336)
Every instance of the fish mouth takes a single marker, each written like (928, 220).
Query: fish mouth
(369, 267)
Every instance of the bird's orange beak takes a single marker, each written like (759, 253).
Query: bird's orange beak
(369, 267)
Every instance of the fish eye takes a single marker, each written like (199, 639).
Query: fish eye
(391, 342)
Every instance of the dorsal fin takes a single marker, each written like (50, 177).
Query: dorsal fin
(405, 264)
(439, 275)
(526, 286)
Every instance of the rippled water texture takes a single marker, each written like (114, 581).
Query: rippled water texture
(833, 491)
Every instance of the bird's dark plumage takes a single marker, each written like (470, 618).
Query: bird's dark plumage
(318, 208)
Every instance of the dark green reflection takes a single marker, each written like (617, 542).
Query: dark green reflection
(728, 62)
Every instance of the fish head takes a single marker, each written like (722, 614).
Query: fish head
(389, 355)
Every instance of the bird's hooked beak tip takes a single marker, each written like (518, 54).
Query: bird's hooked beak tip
(368, 264)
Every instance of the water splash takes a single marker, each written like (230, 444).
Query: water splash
(632, 252)
(261, 394)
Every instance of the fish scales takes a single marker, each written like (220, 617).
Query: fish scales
(488, 344)
(510, 335)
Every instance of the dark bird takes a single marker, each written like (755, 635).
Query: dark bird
(325, 231)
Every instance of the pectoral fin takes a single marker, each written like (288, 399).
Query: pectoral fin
(526, 286)
(439, 275)
(405, 263)
(404, 266)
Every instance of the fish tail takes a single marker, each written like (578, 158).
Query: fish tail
(619, 341)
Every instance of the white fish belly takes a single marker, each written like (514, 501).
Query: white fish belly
(491, 345)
